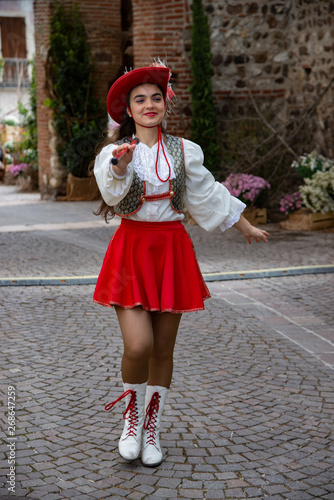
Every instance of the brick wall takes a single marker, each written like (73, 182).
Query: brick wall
(102, 21)
(41, 20)
(162, 29)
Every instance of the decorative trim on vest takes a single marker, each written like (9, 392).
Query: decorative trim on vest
(136, 196)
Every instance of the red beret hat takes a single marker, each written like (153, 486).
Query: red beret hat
(118, 92)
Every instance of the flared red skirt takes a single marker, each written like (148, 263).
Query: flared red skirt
(152, 265)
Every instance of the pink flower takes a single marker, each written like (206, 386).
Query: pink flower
(246, 186)
(290, 203)
(16, 170)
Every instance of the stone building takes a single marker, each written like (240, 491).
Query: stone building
(269, 52)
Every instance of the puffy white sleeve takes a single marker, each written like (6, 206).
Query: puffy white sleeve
(113, 188)
(208, 201)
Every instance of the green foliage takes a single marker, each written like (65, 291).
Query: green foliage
(79, 117)
(29, 123)
(10, 122)
(308, 164)
(203, 120)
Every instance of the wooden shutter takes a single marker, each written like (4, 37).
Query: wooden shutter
(13, 37)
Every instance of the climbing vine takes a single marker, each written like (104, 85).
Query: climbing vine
(79, 117)
(203, 124)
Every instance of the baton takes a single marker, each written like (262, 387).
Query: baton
(116, 159)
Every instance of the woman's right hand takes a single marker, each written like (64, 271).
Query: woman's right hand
(122, 164)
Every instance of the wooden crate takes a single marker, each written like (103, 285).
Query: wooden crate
(255, 215)
(305, 220)
(321, 221)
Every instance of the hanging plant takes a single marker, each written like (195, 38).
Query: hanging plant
(79, 117)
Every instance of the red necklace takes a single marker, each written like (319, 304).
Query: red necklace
(160, 141)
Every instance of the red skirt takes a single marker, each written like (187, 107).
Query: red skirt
(152, 265)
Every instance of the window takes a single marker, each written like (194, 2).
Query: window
(14, 52)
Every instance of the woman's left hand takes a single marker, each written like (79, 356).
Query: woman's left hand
(256, 233)
(250, 232)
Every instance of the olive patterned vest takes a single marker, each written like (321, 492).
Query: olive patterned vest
(136, 196)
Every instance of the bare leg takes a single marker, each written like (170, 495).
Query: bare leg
(138, 339)
(149, 340)
(165, 327)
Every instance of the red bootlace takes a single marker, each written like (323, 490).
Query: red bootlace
(131, 409)
(151, 416)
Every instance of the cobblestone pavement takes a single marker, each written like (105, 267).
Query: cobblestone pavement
(250, 412)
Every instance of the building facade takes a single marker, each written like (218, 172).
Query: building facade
(276, 52)
(17, 49)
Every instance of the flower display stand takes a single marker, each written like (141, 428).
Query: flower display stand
(305, 220)
(255, 215)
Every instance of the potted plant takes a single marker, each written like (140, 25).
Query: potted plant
(314, 206)
(318, 192)
(290, 203)
(248, 189)
(79, 117)
(308, 164)
(17, 170)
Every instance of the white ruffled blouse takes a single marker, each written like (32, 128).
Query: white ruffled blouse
(208, 201)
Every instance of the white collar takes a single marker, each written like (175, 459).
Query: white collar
(144, 159)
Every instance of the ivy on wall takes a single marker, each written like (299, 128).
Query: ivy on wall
(203, 114)
(79, 117)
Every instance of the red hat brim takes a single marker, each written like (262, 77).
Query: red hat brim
(118, 92)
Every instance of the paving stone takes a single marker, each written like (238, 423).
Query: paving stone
(215, 495)
(166, 493)
(191, 493)
(235, 493)
(252, 492)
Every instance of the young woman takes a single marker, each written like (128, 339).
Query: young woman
(150, 273)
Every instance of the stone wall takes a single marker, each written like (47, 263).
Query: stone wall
(279, 51)
(311, 68)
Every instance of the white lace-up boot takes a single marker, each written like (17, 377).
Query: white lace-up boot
(154, 404)
(130, 441)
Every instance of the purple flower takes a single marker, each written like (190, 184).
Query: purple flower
(17, 170)
(290, 203)
(245, 186)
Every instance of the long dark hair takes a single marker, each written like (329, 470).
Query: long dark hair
(127, 128)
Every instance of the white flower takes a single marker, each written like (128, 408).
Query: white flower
(318, 192)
